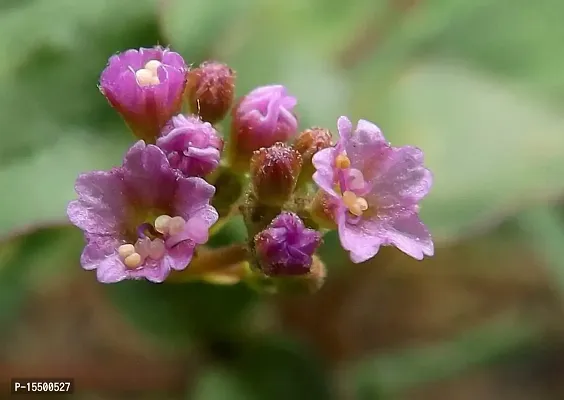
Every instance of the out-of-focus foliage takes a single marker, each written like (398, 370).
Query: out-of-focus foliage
(477, 85)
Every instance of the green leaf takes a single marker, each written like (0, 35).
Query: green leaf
(179, 313)
(492, 147)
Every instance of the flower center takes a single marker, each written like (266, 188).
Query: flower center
(342, 161)
(355, 204)
(147, 76)
(134, 255)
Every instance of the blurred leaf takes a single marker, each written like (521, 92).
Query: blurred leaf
(388, 375)
(194, 26)
(493, 148)
(234, 231)
(275, 369)
(181, 312)
(49, 75)
(219, 384)
(38, 188)
(28, 261)
(544, 230)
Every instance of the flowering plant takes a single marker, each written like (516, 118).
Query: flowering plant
(151, 217)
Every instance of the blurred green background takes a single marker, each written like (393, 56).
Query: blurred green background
(478, 85)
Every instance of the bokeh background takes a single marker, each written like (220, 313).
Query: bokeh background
(478, 85)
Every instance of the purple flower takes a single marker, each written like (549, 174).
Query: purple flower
(145, 86)
(260, 119)
(141, 220)
(192, 146)
(375, 190)
(286, 246)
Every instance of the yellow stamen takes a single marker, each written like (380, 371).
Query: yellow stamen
(152, 66)
(133, 260)
(145, 77)
(355, 204)
(125, 250)
(349, 198)
(161, 223)
(176, 225)
(342, 161)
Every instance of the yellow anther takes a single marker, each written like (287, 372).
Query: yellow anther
(125, 250)
(349, 198)
(145, 77)
(152, 66)
(355, 209)
(355, 204)
(161, 223)
(176, 225)
(363, 204)
(157, 249)
(133, 260)
(342, 161)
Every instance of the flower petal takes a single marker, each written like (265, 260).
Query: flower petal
(401, 178)
(411, 236)
(361, 239)
(111, 270)
(146, 168)
(192, 199)
(100, 208)
(324, 176)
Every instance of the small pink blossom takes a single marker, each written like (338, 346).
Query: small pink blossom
(141, 220)
(375, 189)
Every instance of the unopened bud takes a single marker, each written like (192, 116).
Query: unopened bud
(307, 144)
(322, 210)
(286, 246)
(210, 90)
(260, 119)
(274, 173)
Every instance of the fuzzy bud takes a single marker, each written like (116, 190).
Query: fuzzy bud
(260, 119)
(274, 173)
(210, 90)
(286, 246)
(307, 144)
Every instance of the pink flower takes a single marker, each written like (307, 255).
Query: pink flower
(141, 220)
(192, 146)
(145, 86)
(375, 189)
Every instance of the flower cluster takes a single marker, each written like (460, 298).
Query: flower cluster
(146, 218)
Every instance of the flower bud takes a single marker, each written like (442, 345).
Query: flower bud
(274, 173)
(145, 86)
(286, 246)
(307, 144)
(191, 145)
(260, 119)
(210, 90)
(322, 210)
